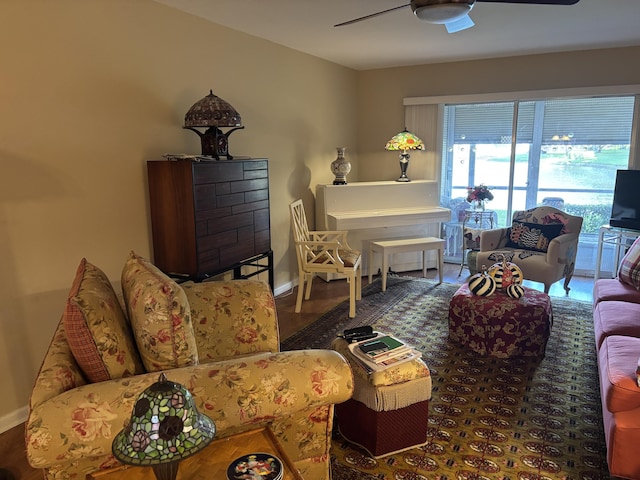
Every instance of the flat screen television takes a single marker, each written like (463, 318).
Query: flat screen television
(625, 212)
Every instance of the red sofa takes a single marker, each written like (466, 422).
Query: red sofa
(616, 317)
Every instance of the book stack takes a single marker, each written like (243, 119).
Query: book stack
(382, 352)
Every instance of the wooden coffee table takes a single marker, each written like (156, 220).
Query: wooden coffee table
(212, 462)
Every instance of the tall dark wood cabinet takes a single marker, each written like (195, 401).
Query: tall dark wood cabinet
(210, 217)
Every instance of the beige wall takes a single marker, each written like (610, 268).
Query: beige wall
(381, 93)
(89, 91)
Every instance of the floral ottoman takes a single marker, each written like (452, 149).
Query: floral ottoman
(501, 326)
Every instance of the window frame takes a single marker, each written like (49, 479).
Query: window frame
(425, 116)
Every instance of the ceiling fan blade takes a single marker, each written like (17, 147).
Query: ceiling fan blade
(355, 20)
(535, 2)
(459, 25)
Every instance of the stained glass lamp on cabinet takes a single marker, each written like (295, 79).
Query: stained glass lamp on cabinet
(213, 113)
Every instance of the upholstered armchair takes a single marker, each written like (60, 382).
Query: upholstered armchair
(542, 241)
(218, 339)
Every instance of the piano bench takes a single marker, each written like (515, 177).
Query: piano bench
(389, 246)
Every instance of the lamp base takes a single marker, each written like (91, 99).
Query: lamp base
(214, 142)
(404, 164)
(166, 471)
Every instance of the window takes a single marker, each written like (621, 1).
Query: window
(559, 152)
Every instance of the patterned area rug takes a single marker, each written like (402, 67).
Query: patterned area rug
(514, 419)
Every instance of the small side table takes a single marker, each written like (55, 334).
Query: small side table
(213, 461)
(474, 221)
(620, 238)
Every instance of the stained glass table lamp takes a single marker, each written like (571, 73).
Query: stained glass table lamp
(165, 428)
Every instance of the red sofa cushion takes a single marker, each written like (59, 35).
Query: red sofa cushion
(613, 289)
(616, 318)
(617, 361)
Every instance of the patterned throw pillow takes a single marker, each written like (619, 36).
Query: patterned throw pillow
(97, 331)
(472, 238)
(629, 271)
(160, 316)
(532, 236)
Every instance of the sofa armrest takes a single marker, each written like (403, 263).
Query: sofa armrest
(493, 239)
(562, 249)
(59, 370)
(232, 318)
(237, 394)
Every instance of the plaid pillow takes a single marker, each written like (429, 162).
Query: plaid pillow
(97, 330)
(532, 236)
(629, 271)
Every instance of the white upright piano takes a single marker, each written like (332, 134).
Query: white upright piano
(376, 210)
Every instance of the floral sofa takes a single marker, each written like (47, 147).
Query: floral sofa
(218, 339)
(616, 324)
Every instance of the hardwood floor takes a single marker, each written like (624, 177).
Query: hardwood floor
(13, 460)
(324, 296)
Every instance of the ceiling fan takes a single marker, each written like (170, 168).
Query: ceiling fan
(453, 14)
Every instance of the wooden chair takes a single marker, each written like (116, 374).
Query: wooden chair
(324, 252)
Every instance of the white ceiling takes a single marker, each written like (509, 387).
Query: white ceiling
(399, 38)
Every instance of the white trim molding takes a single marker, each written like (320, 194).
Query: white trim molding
(13, 419)
(525, 95)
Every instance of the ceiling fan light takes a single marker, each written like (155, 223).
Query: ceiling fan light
(443, 12)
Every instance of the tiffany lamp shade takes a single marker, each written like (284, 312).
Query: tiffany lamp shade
(165, 427)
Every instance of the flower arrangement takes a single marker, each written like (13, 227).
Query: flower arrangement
(479, 193)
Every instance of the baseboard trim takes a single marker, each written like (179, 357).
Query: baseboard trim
(13, 419)
(284, 288)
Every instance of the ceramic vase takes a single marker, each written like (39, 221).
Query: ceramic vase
(478, 205)
(340, 167)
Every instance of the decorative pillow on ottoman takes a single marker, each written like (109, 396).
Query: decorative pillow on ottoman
(97, 331)
(629, 271)
(160, 316)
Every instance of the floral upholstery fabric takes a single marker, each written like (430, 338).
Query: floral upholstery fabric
(499, 325)
(59, 371)
(160, 316)
(292, 392)
(97, 331)
(232, 318)
(72, 423)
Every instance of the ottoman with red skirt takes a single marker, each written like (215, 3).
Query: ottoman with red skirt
(501, 326)
(389, 410)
